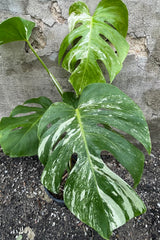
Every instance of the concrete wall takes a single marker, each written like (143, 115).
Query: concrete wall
(21, 75)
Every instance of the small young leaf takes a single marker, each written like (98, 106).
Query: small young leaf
(15, 29)
(93, 192)
(95, 38)
(18, 134)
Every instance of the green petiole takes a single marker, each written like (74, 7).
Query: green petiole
(54, 80)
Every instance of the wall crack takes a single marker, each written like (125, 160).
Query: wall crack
(57, 12)
(138, 45)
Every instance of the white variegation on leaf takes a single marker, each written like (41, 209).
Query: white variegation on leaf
(100, 37)
(92, 191)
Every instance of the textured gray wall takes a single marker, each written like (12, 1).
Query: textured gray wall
(21, 75)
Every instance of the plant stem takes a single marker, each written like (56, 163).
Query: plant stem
(54, 80)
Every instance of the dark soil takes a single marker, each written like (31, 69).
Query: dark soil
(27, 213)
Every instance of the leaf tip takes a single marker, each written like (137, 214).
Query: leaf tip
(78, 8)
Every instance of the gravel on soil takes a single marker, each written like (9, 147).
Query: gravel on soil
(27, 213)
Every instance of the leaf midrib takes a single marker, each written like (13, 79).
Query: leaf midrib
(86, 145)
(78, 115)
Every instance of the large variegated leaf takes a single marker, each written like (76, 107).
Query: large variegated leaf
(18, 133)
(93, 192)
(15, 29)
(98, 37)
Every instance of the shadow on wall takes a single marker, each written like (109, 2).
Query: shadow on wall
(152, 99)
(154, 127)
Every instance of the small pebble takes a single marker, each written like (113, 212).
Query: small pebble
(158, 204)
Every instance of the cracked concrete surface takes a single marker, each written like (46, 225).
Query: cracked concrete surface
(138, 46)
(24, 78)
(48, 11)
(41, 11)
(57, 12)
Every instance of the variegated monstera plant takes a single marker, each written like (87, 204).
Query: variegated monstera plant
(85, 122)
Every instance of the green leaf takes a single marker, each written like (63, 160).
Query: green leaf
(100, 37)
(95, 194)
(15, 29)
(18, 133)
(70, 98)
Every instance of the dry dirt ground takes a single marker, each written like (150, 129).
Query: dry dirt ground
(27, 213)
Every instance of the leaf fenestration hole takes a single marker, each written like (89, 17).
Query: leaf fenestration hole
(70, 46)
(108, 23)
(103, 69)
(76, 65)
(33, 105)
(59, 139)
(73, 160)
(24, 114)
(104, 38)
(78, 25)
(106, 156)
(76, 41)
(109, 43)
(115, 166)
